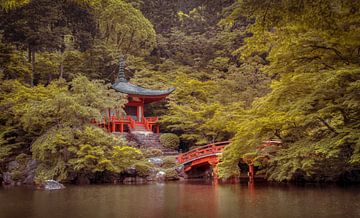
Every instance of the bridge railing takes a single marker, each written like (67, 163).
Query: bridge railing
(208, 149)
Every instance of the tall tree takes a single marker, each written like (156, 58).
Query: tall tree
(313, 54)
(42, 25)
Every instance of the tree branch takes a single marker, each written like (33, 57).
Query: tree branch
(337, 52)
(327, 125)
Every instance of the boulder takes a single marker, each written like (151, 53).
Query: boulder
(156, 161)
(29, 172)
(140, 180)
(29, 179)
(19, 174)
(160, 176)
(128, 180)
(52, 185)
(137, 180)
(131, 171)
(7, 179)
(12, 165)
(82, 180)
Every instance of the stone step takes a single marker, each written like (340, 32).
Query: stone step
(149, 140)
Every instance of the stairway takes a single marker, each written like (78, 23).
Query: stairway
(140, 128)
(147, 139)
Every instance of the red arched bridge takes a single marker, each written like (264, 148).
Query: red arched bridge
(208, 155)
(204, 155)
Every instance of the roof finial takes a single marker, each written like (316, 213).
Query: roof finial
(121, 75)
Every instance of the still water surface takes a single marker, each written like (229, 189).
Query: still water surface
(181, 199)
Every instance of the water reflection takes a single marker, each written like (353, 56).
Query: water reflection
(182, 199)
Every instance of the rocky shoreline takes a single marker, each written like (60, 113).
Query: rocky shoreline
(22, 173)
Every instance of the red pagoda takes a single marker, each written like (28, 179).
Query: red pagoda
(138, 97)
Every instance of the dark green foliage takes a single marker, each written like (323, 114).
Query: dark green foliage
(143, 168)
(313, 106)
(56, 120)
(169, 140)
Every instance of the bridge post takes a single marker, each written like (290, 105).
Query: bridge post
(251, 173)
(214, 169)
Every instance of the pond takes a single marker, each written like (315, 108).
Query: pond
(182, 199)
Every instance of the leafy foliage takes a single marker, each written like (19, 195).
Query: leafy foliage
(169, 140)
(57, 119)
(312, 107)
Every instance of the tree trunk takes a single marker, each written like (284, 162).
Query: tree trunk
(32, 51)
(61, 66)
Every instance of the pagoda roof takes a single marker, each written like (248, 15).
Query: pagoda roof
(128, 88)
(123, 86)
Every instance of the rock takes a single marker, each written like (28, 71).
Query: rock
(29, 172)
(31, 165)
(19, 174)
(131, 171)
(179, 168)
(160, 176)
(156, 161)
(13, 165)
(128, 180)
(52, 185)
(171, 174)
(29, 180)
(137, 180)
(140, 180)
(152, 174)
(82, 180)
(7, 179)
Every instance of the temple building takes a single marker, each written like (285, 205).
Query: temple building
(138, 97)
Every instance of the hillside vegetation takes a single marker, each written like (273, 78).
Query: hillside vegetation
(245, 71)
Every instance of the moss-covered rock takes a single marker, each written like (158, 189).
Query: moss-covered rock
(169, 162)
(171, 174)
(151, 152)
(143, 168)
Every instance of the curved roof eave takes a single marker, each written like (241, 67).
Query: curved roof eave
(128, 88)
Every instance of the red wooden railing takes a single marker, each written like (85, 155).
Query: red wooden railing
(132, 122)
(113, 122)
(202, 151)
(146, 123)
(152, 119)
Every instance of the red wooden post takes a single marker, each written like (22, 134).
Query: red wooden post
(213, 164)
(113, 126)
(251, 173)
(157, 129)
(121, 127)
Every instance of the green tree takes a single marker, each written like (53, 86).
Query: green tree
(56, 120)
(313, 105)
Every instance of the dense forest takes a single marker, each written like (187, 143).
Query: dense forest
(245, 71)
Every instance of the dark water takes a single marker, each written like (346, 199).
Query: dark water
(181, 200)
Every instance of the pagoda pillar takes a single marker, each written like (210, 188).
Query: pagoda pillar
(112, 126)
(157, 129)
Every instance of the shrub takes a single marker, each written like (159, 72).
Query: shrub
(171, 174)
(152, 152)
(170, 140)
(142, 168)
(169, 162)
